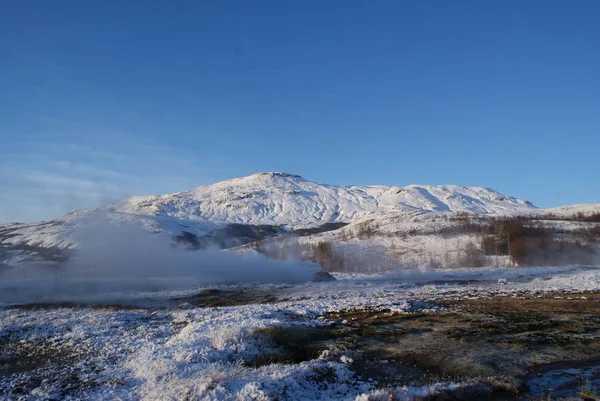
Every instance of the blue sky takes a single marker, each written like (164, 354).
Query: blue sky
(103, 100)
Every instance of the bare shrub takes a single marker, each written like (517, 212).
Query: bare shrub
(367, 229)
(472, 256)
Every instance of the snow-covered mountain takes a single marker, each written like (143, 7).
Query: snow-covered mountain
(248, 208)
(293, 202)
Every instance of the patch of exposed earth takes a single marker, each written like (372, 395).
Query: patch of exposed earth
(512, 341)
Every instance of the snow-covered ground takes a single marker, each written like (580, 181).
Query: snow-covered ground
(138, 337)
(185, 352)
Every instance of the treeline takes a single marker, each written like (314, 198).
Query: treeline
(470, 241)
(332, 256)
(528, 241)
(530, 244)
(365, 257)
(579, 216)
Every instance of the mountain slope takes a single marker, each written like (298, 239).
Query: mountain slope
(249, 208)
(291, 201)
(569, 210)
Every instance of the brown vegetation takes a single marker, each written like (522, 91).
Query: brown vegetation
(520, 240)
(528, 241)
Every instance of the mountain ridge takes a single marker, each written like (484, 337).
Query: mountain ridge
(239, 210)
(289, 200)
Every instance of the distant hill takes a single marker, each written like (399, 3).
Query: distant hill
(280, 205)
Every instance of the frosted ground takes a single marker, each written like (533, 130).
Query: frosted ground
(170, 345)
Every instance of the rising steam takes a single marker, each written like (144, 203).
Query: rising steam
(113, 258)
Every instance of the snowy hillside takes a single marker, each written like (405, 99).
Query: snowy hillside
(275, 199)
(291, 201)
(64, 232)
(569, 210)
(249, 209)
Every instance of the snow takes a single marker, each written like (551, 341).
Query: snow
(178, 351)
(290, 200)
(409, 221)
(199, 353)
(570, 210)
(277, 199)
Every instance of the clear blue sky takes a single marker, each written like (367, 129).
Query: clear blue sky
(101, 100)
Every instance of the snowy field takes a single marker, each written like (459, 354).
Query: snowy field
(160, 346)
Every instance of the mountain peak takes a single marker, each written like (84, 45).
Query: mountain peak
(276, 174)
(284, 199)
